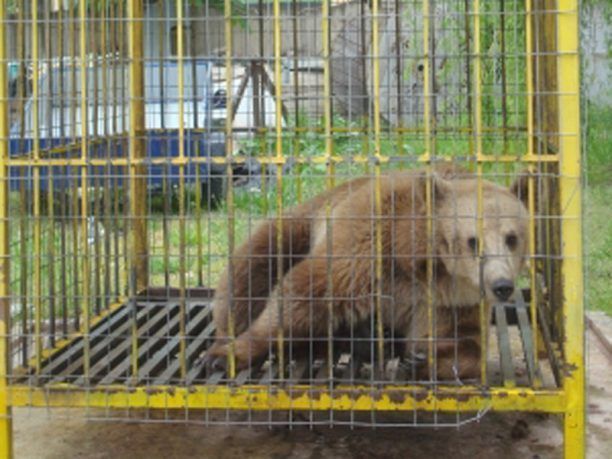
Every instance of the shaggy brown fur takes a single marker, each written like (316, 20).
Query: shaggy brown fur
(255, 262)
(334, 262)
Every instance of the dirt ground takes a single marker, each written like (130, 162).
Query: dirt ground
(72, 433)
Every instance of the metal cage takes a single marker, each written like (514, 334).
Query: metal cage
(141, 141)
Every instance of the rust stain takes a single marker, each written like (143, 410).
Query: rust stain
(569, 368)
(420, 396)
(296, 394)
(397, 396)
(160, 391)
(463, 397)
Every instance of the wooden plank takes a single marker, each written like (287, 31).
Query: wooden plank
(103, 328)
(343, 366)
(555, 363)
(124, 347)
(240, 93)
(297, 371)
(533, 370)
(163, 294)
(392, 369)
(503, 340)
(170, 350)
(193, 349)
(314, 370)
(194, 373)
(96, 350)
(101, 341)
(351, 372)
(243, 377)
(156, 360)
(214, 379)
(270, 370)
(322, 372)
(123, 367)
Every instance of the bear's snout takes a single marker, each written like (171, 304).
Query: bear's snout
(503, 289)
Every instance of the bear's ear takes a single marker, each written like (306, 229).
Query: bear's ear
(520, 187)
(440, 186)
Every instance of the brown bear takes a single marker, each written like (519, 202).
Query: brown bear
(333, 260)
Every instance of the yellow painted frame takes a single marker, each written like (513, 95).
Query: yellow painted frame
(299, 397)
(568, 401)
(6, 444)
(568, 86)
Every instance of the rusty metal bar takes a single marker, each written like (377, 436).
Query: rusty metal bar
(138, 275)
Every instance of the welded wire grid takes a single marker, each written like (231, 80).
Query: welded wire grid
(147, 140)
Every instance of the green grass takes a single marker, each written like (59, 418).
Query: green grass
(206, 248)
(598, 216)
(598, 248)
(598, 157)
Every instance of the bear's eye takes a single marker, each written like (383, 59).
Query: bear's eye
(473, 244)
(511, 241)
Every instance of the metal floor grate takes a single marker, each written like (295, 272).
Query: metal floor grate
(157, 318)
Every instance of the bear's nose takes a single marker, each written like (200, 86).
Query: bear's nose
(503, 289)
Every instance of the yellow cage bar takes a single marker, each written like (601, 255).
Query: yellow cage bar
(6, 441)
(568, 68)
(131, 170)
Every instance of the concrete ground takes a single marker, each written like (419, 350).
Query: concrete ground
(72, 434)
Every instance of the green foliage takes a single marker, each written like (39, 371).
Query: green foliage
(598, 154)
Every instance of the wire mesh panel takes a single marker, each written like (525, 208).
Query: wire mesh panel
(251, 206)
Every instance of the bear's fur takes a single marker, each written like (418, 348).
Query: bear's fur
(332, 263)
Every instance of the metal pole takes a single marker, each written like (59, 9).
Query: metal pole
(181, 152)
(138, 228)
(6, 445)
(568, 65)
(85, 267)
(137, 171)
(380, 345)
(279, 180)
(229, 153)
(478, 134)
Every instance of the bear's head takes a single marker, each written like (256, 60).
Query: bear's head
(481, 257)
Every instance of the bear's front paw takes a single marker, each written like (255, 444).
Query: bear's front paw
(217, 350)
(217, 356)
